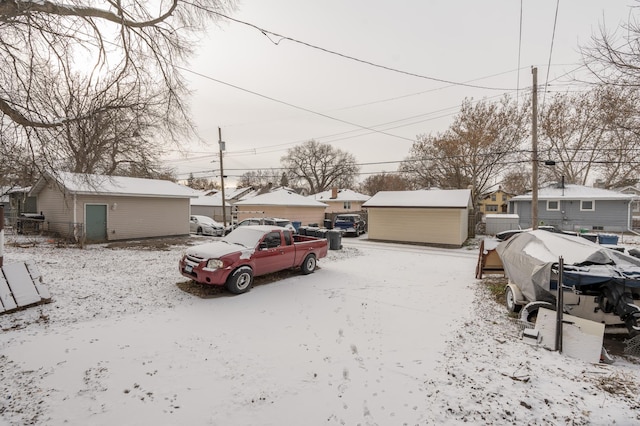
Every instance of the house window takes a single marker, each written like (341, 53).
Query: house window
(493, 197)
(587, 205)
(492, 208)
(553, 205)
(347, 205)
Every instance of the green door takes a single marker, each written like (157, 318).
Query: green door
(96, 222)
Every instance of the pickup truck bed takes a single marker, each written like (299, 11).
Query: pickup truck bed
(251, 251)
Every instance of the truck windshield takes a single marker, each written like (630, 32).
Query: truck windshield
(245, 236)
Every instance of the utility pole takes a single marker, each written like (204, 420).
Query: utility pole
(224, 207)
(534, 150)
(1, 235)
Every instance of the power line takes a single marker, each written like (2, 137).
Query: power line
(553, 37)
(342, 55)
(290, 104)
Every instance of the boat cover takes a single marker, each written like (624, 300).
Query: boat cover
(530, 260)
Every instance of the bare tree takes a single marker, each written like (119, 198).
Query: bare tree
(260, 178)
(592, 135)
(384, 182)
(613, 57)
(320, 166)
(476, 149)
(82, 61)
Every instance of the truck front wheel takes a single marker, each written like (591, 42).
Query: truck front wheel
(309, 264)
(240, 280)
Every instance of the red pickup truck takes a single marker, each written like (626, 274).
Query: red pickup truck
(251, 251)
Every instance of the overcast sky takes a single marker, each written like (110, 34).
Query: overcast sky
(269, 94)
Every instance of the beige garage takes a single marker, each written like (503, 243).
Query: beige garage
(282, 203)
(432, 217)
(99, 208)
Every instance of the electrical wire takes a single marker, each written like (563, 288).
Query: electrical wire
(553, 37)
(281, 37)
(519, 51)
(291, 105)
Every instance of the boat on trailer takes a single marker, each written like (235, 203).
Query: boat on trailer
(599, 283)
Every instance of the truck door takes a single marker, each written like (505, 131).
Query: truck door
(274, 254)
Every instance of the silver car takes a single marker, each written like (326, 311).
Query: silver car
(203, 225)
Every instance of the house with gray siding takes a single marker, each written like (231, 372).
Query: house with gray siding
(104, 208)
(576, 207)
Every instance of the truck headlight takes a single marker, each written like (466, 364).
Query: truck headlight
(214, 264)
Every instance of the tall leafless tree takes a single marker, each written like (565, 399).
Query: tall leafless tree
(67, 69)
(477, 148)
(320, 166)
(592, 135)
(384, 182)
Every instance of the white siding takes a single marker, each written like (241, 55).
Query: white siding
(447, 227)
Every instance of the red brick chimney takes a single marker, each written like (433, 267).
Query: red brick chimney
(334, 193)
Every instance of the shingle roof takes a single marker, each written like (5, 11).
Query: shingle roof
(281, 197)
(342, 195)
(88, 184)
(458, 198)
(575, 192)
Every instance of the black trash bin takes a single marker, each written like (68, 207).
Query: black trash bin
(302, 230)
(335, 239)
(328, 224)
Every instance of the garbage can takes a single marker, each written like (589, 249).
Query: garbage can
(608, 239)
(328, 224)
(335, 239)
(302, 230)
(312, 231)
(296, 225)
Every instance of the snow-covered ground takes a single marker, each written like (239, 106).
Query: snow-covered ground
(381, 334)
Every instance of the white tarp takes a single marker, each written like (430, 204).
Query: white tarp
(528, 259)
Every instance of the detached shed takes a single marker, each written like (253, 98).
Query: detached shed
(105, 208)
(433, 217)
(282, 203)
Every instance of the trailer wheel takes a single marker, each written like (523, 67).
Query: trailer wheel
(510, 300)
(199, 231)
(240, 280)
(309, 264)
(530, 311)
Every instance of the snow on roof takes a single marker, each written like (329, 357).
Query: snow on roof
(208, 200)
(343, 195)
(88, 184)
(575, 192)
(421, 198)
(281, 197)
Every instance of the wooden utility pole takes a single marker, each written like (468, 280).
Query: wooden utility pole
(1, 235)
(534, 150)
(224, 207)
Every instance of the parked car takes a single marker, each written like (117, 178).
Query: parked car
(285, 223)
(350, 224)
(251, 251)
(203, 225)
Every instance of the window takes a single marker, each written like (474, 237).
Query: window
(272, 239)
(494, 197)
(587, 205)
(347, 205)
(553, 205)
(287, 238)
(491, 208)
